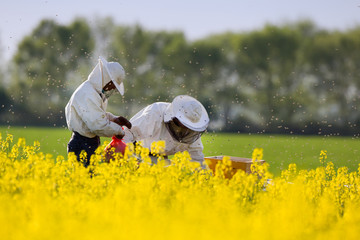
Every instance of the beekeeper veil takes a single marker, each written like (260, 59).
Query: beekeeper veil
(112, 71)
(186, 119)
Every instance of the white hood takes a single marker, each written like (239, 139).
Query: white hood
(112, 71)
(104, 72)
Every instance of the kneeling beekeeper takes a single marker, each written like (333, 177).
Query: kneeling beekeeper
(86, 114)
(179, 123)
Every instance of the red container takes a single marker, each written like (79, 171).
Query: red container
(116, 145)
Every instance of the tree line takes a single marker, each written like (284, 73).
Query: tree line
(290, 78)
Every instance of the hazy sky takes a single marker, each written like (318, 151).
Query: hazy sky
(196, 18)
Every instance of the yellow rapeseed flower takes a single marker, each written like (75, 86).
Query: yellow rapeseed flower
(9, 138)
(158, 148)
(124, 199)
(21, 142)
(257, 154)
(323, 156)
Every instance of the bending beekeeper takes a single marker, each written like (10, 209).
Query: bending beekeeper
(86, 114)
(179, 123)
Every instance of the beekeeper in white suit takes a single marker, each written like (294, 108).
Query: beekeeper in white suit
(86, 114)
(179, 123)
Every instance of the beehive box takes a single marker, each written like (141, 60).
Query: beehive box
(237, 163)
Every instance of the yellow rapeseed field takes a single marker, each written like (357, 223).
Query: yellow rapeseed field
(47, 197)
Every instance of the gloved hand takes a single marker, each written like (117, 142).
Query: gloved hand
(122, 121)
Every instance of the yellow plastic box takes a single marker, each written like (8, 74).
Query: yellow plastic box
(237, 163)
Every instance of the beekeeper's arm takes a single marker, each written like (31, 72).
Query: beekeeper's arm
(120, 120)
(144, 124)
(196, 151)
(111, 116)
(96, 119)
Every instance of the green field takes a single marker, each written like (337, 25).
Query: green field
(279, 150)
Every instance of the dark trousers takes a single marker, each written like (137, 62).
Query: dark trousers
(78, 143)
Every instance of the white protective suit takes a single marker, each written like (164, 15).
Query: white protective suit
(148, 126)
(85, 112)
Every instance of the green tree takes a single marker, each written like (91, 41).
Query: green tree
(294, 77)
(267, 60)
(152, 61)
(208, 79)
(334, 59)
(6, 103)
(42, 65)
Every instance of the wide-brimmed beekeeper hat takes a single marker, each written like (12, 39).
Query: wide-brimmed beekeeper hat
(189, 111)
